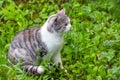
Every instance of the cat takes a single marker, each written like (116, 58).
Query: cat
(33, 42)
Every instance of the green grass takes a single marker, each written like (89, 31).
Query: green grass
(91, 49)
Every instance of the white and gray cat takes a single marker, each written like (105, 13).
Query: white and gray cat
(48, 39)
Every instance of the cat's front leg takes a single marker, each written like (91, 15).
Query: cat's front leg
(57, 59)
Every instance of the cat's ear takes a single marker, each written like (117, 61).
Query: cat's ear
(52, 19)
(62, 11)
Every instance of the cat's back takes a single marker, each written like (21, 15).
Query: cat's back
(25, 35)
(25, 39)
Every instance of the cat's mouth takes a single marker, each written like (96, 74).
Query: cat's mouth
(68, 28)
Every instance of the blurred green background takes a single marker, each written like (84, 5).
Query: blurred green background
(91, 50)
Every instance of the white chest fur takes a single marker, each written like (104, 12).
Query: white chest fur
(52, 41)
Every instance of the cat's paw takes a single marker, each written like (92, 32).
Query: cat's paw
(40, 69)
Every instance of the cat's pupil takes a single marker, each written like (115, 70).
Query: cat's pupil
(65, 24)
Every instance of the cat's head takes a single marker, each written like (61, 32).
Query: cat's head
(59, 22)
